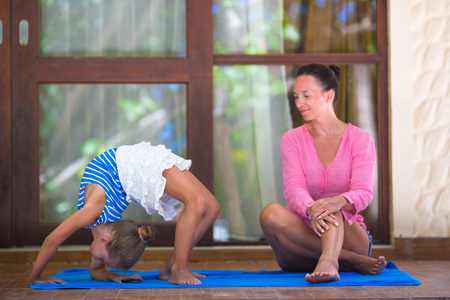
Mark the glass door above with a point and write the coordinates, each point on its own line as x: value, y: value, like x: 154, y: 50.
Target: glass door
x: 92, y: 75
x: 258, y: 46
x: 81, y: 76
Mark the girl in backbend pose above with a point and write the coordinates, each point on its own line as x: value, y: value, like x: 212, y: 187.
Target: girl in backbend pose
x: 148, y: 175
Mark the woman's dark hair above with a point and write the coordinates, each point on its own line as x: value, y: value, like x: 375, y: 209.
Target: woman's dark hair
x: 327, y: 77
x: 127, y: 242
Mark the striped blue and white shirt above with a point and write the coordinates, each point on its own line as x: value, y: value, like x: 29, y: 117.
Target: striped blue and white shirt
x: 102, y: 170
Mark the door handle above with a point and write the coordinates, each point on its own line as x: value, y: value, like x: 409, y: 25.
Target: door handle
x: 23, y: 32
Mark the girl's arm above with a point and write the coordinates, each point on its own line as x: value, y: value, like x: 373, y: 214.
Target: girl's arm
x: 97, y: 271
x: 80, y: 219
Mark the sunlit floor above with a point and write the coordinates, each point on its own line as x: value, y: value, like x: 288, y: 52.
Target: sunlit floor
x: 434, y: 275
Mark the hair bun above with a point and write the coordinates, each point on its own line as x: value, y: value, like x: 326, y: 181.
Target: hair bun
x: 147, y: 232
x: 337, y: 72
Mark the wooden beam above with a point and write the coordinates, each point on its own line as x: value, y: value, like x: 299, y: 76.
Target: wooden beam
x: 112, y: 70
x: 297, y: 59
x: 403, y: 249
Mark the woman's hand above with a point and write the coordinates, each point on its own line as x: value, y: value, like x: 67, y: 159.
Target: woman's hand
x: 321, y: 211
x: 326, y: 206
x: 48, y: 280
x: 126, y: 278
x: 320, y: 225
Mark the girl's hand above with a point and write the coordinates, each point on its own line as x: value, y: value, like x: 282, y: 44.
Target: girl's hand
x: 48, y: 280
x: 97, y: 271
x: 126, y: 278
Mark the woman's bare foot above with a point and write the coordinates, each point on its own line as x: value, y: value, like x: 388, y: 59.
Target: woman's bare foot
x: 379, y: 265
x: 326, y: 270
x: 364, y: 265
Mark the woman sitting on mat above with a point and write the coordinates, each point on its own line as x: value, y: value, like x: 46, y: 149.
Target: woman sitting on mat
x: 148, y: 175
x: 328, y: 169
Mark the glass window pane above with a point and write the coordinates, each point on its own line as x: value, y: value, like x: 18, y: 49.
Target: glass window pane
x: 357, y: 104
x: 252, y: 110
x: 112, y: 28
x: 80, y: 121
x: 251, y: 113
x: 294, y: 26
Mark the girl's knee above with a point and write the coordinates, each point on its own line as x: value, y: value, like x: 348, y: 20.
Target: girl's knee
x: 216, y: 208
x: 197, y: 202
x: 213, y: 207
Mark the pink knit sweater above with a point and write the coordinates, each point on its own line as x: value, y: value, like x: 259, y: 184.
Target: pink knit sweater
x: 350, y: 174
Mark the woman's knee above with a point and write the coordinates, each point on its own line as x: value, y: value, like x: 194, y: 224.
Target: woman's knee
x: 339, y: 217
x: 356, y: 238
x: 271, y: 214
x: 338, y: 214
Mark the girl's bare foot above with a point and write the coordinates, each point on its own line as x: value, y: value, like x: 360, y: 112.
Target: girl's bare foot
x: 196, y: 275
x: 183, y: 277
x: 326, y: 270
x: 165, y: 275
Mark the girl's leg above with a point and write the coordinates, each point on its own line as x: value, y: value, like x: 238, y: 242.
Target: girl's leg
x: 201, y: 209
x: 212, y: 209
x: 298, y: 248
x: 211, y: 212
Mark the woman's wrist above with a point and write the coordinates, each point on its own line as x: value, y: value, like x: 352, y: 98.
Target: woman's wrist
x: 345, y: 203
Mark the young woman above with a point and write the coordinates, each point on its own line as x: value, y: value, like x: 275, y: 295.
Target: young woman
x: 148, y: 175
x: 328, y: 169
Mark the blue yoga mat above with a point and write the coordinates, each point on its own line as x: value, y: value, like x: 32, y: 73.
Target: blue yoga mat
x: 79, y: 279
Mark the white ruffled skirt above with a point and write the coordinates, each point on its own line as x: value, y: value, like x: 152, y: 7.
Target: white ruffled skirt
x: 140, y: 170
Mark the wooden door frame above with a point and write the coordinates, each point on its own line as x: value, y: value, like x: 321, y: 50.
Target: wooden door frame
x: 5, y: 126
x: 195, y: 71
x: 384, y: 145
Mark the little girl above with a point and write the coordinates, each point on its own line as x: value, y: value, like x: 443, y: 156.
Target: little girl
x: 144, y: 174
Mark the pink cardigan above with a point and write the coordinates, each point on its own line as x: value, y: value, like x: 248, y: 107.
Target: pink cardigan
x: 350, y: 174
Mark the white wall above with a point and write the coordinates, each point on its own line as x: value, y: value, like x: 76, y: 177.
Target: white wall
x: 419, y: 48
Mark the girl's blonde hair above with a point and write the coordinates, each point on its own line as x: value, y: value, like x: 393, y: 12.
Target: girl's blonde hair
x: 127, y: 242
